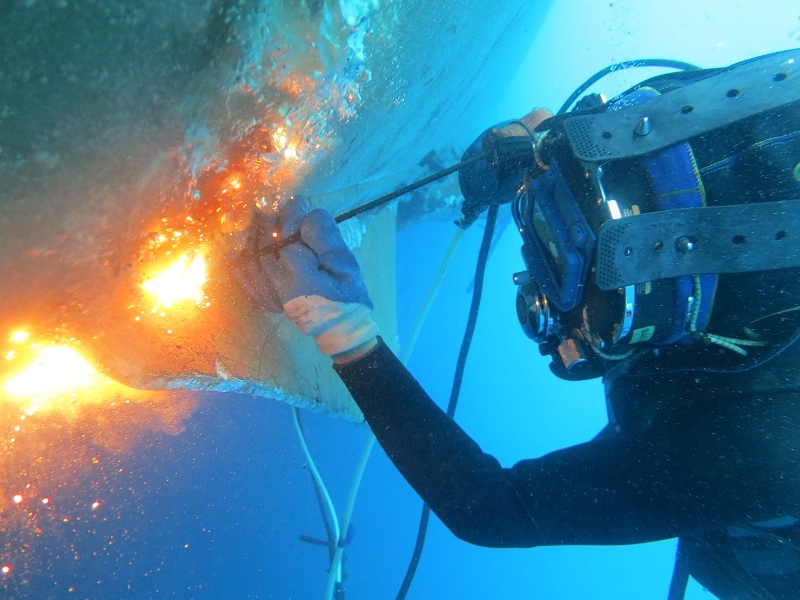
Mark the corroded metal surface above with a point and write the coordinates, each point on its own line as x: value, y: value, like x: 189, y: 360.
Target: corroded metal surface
x: 133, y: 134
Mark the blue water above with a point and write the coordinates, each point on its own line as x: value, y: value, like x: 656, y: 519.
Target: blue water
x: 217, y: 511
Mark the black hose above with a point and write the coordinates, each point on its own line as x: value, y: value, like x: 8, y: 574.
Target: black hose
x: 417, y: 554
x: 680, y: 577
x: 621, y: 66
x: 472, y: 319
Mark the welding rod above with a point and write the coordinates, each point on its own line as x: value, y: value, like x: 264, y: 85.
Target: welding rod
x: 295, y: 237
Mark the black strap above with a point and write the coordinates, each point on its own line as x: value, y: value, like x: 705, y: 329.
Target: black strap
x: 745, y: 90
x: 693, y: 241
x: 680, y: 577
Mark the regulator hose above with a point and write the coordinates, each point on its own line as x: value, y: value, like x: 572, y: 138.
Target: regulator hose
x: 665, y: 63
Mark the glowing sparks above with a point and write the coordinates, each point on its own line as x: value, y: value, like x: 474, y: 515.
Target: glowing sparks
x: 95, y: 505
x: 19, y: 336
x: 55, y: 369
x: 280, y: 139
x: 57, y: 378
x: 6, y: 569
x: 180, y: 282
x: 17, y: 499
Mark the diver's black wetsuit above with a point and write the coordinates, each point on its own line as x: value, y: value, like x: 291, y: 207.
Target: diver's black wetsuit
x: 697, y: 460
x: 704, y: 460
x: 689, y: 452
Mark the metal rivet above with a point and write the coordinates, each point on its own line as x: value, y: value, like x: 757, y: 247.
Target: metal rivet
x: 643, y: 127
x: 684, y: 244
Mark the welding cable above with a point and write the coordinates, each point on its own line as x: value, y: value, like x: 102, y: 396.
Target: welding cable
x: 334, y: 589
x: 330, y: 517
x: 405, y: 355
x: 472, y: 319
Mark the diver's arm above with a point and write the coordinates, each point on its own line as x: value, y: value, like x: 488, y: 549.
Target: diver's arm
x: 478, y: 500
x: 441, y: 462
x: 614, y: 489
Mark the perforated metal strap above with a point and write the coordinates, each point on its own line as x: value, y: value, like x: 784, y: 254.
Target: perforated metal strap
x: 694, y: 241
x: 735, y: 94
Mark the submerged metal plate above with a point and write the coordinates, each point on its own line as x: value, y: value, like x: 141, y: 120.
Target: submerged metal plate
x: 137, y: 138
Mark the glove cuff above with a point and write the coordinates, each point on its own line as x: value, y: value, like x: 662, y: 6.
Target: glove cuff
x: 335, y: 326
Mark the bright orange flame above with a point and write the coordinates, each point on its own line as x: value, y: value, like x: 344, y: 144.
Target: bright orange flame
x: 55, y: 369
x: 55, y: 377
x: 180, y: 282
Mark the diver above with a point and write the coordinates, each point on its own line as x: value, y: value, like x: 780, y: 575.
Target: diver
x: 659, y: 233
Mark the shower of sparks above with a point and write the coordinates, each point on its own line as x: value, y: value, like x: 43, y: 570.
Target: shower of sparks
x: 182, y: 281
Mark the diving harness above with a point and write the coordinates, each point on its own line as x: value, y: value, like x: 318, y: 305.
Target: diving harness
x: 621, y: 251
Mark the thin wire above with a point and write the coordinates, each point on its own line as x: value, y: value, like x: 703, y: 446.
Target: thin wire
x: 429, y: 299
x: 335, y: 573
x: 338, y: 555
x: 333, y: 588
x: 480, y: 271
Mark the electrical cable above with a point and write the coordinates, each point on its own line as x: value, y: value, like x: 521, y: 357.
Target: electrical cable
x: 331, y: 511
x: 458, y: 377
x: 408, y: 348
x: 337, y: 532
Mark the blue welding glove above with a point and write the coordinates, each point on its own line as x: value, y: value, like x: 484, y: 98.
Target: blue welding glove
x: 315, y: 282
